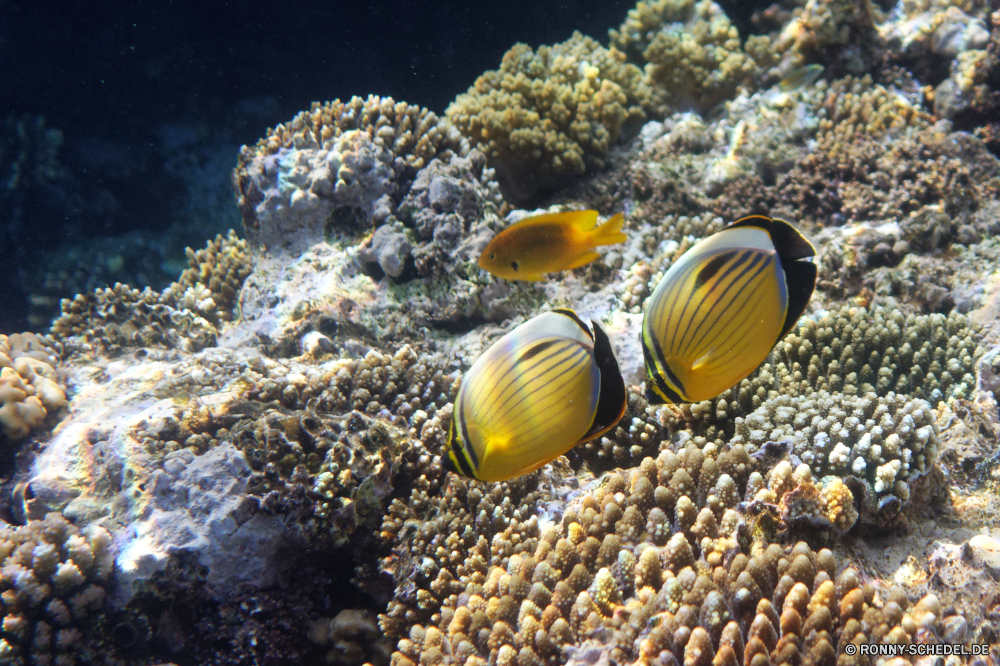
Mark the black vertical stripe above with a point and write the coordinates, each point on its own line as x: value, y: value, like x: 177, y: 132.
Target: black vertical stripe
x: 467, y: 446
x: 655, y: 376
x: 457, y: 453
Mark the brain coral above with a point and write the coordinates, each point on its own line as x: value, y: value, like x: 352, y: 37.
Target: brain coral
x: 549, y: 115
x: 334, y: 163
x: 692, y: 52
x: 29, y: 384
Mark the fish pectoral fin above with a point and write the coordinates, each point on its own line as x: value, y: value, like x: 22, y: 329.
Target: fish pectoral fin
x: 497, y: 444
x: 582, y: 260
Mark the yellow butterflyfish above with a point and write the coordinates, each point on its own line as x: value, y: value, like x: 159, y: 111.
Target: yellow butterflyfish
x: 547, y: 243
x: 546, y: 386
x: 718, y: 311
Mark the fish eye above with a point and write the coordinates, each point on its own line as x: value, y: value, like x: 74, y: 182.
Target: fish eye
x: 493, y: 255
x: 515, y: 265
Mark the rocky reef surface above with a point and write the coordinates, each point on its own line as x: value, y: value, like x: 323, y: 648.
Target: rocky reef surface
x: 246, y: 467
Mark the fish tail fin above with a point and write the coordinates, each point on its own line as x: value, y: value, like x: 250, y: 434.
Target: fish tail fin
x: 610, y: 232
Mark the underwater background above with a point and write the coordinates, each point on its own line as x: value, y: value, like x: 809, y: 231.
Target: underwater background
x: 239, y: 292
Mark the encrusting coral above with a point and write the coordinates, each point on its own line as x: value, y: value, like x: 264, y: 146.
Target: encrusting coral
x: 30, y: 389
x: 52, y: 577
x: 549, y: 115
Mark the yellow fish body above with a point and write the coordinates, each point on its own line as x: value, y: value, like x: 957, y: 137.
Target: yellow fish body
x: 547, y: 243
x: 718, y: 311
x: 548, y: 385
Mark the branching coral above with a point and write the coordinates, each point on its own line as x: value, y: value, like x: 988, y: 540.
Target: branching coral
x: 692, y: 52
x: 185, y: 315
x: 825, y: 24
x: 52, y: 577
x: 618, y: 579
x: 547, y: 116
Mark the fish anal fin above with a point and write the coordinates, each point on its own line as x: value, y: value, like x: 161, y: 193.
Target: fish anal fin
x: 582, y: 260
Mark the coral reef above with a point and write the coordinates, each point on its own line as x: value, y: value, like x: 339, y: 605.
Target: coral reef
x: 333, y: 167
x: 547, y: 116
x: 846, y: 28
x: 692, y: 53
x: 183, y: 316
x: 52, y: 576
x: 617, y: 579
x: 30, y: 388
x: 847, y: 395
x: 262, y: 439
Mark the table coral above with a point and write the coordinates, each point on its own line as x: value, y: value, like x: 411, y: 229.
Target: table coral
x: 547, y: 116
x: 30, y: 388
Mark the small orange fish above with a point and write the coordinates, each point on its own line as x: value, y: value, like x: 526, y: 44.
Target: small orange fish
x: 548, y: 243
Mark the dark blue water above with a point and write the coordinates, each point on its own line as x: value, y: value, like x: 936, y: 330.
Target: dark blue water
x: 127, y: 116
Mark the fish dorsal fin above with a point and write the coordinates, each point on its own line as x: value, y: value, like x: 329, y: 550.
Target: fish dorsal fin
x: 795, y: 252
x: 566, y: 312
x: 788, y: 241
x: 580, y: 220
x: 612, y: 399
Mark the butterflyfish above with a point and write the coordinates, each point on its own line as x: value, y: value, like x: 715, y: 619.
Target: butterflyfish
x: 547, y: 243
x: 546, y: 386
x: 719, y: 309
